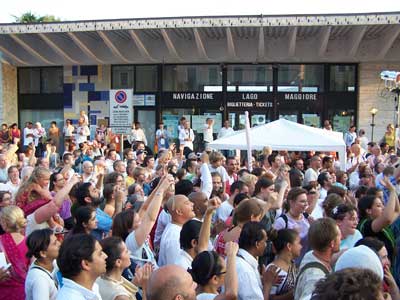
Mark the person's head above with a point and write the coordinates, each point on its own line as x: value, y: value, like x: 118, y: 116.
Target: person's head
x: 186, y: 124
x: 180, y: 208
x: 286, y: 241
x: 297, y: 200
x: 119, y: 166
x: 136, y: 189
x: 189, y: 235
x: 327, y: 162
x: 346, y: 218
x: 217, y: 182
x: 124, y: 223
x: 246, y: 211
x: 216, y: 159
x: 137, y: 125
x: 275, y: 160
x: 253, y: 238
x: 87, y: 167
x: 370, y: 206
x: 325, y: 180
x: 183, y: 187
x: 299, y: 164
x: 379, y: 247
x: 88, y: 194
x: 85, y: 219
x: 342, y: 177
x: 42, y: 244
x: 250, y: 180
x: 330, y: 202
x: 350, y: 283
x: 315, y: 162
x: 324, y: 235
x: 232, y: 165
x: 390, y: 128
x: 118, y: 255
x: 171, y: 282
x: 57, y: 181
x: 200, y: 202
x: 264, y: 187
x: 12, y: 219
x: 13, y: 173
x: 5, y: 198
x: 208, y: 268
x: 139, y: 174
x: 81, y: 255
x: 3, y: 161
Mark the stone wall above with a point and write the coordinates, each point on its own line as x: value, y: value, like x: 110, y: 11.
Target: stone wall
x: 372, y: 93
x: 8, y: 94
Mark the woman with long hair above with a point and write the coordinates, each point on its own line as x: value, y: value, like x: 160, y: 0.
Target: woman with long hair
x: 12, y: 244
x: 287, y: 245
x: 376, y: 218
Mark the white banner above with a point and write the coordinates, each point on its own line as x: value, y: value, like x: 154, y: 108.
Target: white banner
x: 121, y: 111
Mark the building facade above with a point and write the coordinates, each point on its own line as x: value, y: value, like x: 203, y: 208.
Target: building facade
x: 302, y: 68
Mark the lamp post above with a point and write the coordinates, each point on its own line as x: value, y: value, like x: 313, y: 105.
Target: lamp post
x: 373, y: 112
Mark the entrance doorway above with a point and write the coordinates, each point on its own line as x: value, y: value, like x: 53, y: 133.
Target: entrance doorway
x: 147, y: 119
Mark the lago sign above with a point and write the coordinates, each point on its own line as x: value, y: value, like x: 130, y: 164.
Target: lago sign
x: 249, y: 100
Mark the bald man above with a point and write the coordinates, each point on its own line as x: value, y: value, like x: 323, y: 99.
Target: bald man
x: 181, y: 211
x: 200, y: 201
x: 171, y: 282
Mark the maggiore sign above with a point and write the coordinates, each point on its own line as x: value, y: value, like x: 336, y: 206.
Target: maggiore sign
x: 301, y: 96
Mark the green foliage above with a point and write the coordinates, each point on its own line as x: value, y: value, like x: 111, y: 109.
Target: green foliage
x: 30, y: 17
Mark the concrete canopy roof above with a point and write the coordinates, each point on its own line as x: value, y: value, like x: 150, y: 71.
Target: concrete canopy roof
x: 248, y: 39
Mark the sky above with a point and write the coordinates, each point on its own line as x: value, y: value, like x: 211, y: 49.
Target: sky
x: 70, y: 10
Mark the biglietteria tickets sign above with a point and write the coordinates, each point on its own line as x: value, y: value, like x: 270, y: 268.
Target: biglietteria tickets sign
x: 121, y: 111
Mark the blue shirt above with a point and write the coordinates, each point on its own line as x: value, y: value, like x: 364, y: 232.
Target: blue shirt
x: 104, y: 223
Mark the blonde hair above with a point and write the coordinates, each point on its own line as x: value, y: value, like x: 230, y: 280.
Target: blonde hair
x: 13, y: 217
x: 249, y: 179
x: 216, y: 156
x: 36, y: 175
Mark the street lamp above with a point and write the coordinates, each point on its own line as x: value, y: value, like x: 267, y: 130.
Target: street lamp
x: 373, y: 112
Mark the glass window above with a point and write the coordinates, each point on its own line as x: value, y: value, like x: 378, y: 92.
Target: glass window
x: 122, y: 77
x: 146, y: 79
x: 207, y: 78
x: 342, y: 78
x: 301, y: 78
x: 29, y: 80
x: 52, y: 80
x: 249, y: 78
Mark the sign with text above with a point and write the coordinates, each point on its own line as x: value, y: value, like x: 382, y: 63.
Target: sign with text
x: 298, y: 96
x: 249, y: 100
x: 189, y: 99
x: 121, y: 111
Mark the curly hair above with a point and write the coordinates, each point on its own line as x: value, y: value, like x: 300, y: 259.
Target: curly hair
x: 350, y: 283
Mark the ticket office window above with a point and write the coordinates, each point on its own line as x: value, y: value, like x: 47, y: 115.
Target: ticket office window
x: 194, y: 78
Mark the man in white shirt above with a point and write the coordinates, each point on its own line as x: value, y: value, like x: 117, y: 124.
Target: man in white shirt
x: 28, y: 134
x: 186, y: 136
x: 82, y: 132
x: 181, y: 211
x: 252, y: 244
x: 81, y: 262
x: 137, y: 135
x: 226, y: 130
x: 311, y: 175
x: 208, y: 132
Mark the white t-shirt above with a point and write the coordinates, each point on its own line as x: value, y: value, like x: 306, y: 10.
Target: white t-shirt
x: 40, y: 284
x: 184, y: 260
x: 221, y: 171
x: 310, y: 175
x: 169, y: 245
x: 140, y: 254
x: 28, y: 140
x: 224, y: 211
x: 208, y: 133
x: 31, y: 224
x: 163, y: 220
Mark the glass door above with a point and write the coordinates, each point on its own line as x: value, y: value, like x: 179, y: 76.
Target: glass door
x: 147, y: 119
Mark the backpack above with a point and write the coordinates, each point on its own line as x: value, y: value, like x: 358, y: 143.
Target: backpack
x: 310, y: 265
x: 285, y: 218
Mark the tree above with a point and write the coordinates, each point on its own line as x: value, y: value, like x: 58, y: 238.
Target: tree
x: 30, y: 17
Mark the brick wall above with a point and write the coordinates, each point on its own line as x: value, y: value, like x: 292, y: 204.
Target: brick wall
x: 9, y: 96
x: 373, y: 94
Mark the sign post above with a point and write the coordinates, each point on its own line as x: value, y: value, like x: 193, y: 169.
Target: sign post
x: 121, y: 112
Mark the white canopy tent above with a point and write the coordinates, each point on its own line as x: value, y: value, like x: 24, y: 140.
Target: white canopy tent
x: 286, y: 135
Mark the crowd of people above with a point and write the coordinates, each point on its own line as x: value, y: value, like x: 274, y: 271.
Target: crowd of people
x: 115, y: 220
